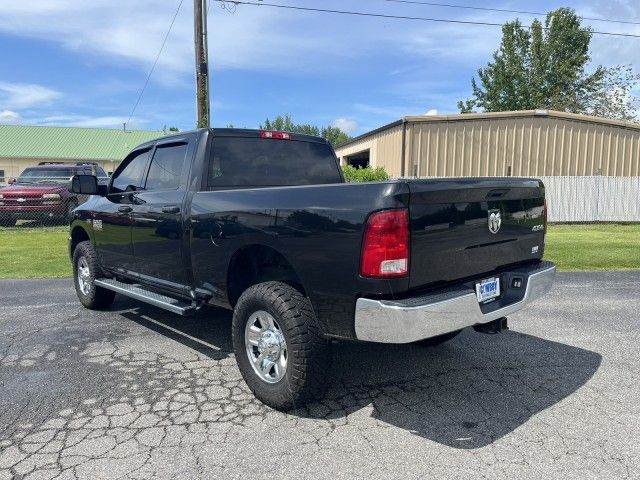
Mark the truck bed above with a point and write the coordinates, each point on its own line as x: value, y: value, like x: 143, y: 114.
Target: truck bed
x: 319, y: 230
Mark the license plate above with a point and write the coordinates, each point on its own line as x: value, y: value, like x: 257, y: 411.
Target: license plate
x: 488, y: 289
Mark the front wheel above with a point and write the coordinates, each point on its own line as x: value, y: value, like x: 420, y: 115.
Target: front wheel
x: 85, y: 270
x: 281, y: 351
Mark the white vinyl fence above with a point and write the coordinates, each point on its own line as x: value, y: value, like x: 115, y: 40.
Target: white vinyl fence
x: 593, y: 199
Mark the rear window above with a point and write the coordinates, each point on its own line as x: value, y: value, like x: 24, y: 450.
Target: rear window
x: 257, y: 162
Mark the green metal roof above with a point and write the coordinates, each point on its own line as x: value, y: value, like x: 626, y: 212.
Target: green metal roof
x: 23, y: 141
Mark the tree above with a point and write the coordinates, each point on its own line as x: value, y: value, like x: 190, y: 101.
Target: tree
x: 546, y: 67
x: 615, y: 100
x: 334, y: 135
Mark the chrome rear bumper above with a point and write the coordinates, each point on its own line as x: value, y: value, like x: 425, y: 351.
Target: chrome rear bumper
x: 413, y: 319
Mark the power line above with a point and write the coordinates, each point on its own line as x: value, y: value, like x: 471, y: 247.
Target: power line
x: 398, y: 17
x: 505, y: 10
x: 153, y: 67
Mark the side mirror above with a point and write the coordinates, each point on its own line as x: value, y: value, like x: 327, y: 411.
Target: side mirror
x: 11, y: 181
x: 84, y: 184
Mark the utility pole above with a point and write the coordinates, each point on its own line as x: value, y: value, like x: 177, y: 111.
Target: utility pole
x: 202, y: 63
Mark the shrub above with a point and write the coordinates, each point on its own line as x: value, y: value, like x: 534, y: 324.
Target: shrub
x: 368, y: 174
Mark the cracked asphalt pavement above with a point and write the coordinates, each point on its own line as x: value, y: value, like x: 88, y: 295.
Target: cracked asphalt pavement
x: 134, y: 392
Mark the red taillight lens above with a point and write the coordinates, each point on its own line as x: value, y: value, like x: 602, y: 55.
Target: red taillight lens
x: 276, y: 135
x: 385, y: 249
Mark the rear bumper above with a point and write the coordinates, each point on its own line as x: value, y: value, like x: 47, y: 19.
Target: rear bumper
x: 418, y: 318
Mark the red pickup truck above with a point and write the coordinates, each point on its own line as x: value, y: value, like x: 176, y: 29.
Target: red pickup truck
x: 41, y: 193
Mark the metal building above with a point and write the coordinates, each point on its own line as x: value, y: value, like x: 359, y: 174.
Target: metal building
x: 524, y: 143
x: 22, y: 146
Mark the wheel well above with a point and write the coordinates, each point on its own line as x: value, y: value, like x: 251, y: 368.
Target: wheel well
x: 256, y: 264
x: 78, y: 234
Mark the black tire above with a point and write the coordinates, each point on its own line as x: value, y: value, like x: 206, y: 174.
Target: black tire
x: 432, y: 342
x: 308, y: 351
x: 93, y: 297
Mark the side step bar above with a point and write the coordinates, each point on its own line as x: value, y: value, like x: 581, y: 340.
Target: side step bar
x: 152, y: 298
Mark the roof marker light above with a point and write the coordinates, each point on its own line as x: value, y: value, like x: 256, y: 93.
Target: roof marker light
x: 275, y: 135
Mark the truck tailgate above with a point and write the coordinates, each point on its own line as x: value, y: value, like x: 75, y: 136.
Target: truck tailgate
x: 455, y: 236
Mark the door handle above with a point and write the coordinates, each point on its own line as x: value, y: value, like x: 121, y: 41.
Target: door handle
x: 171, y: 209
x: 124, y: 208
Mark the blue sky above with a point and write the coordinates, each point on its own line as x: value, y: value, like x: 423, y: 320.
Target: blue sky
x: 80, y: 63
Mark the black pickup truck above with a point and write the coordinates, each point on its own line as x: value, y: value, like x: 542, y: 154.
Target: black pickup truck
x: 263, y: 223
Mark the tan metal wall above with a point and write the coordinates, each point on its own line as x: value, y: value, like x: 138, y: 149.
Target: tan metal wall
x: 385, y: 150
x: 530, y: 146
x: 531, y: 143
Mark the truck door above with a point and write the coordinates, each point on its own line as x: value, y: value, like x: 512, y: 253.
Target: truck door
x: 156, y: 219
x: 112, y: 220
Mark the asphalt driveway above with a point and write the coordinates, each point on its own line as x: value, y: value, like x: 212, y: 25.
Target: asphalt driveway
x: 139, y: 393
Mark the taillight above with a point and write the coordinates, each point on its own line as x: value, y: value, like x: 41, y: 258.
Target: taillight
x: 385, y: 248
x: 275, y: 135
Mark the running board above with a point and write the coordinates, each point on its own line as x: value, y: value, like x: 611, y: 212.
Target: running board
x: 152, y: 298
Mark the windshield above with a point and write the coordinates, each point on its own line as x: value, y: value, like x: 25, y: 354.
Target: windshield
x: 45, y: 175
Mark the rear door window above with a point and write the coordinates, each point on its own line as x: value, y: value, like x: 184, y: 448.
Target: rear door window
x: 166, y: 167
x: 244, y: 162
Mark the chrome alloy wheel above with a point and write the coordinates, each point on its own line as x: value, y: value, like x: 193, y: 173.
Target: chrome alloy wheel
x: 84, y: 276
x: 266, y: 346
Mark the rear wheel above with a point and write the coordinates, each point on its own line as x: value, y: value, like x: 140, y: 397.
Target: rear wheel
x: 85, y: 270
x: 432, y: 342
x: 281, y: 351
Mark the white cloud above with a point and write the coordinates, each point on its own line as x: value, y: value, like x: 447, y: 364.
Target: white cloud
x: 8, y: 116
x: 394, y: 112
x: 609, y: 50
x: 107, y: 121
x: 88, y: 121
x: 251, y: 38
x: 130, y: 31
x: 255, y: 38
x: 431, y: 112
x: 22, y: 95
x: 73, y: 120
x: 345, y: 124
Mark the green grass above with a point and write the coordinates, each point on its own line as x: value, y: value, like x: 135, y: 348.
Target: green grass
x: 34, y: 252
x: 42, y: 252
x: 594, y: 247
